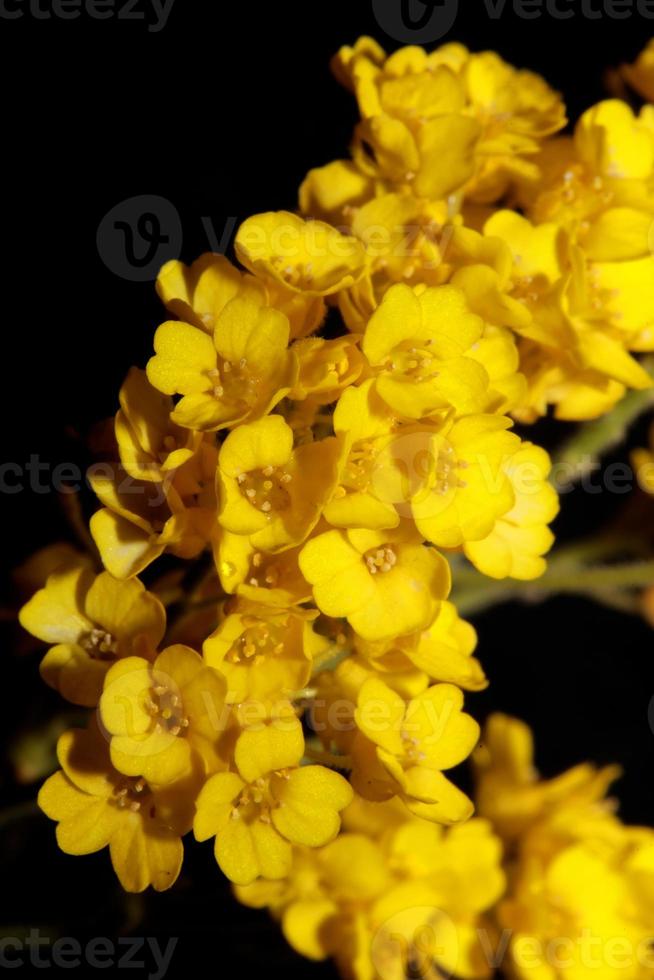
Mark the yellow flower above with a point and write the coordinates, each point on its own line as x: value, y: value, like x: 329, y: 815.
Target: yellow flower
x: 142, y: 519
x: 264, y: 652
x: 301, y: 256
x: 442, y: 651
x: 33, y: 573
x: 332, y: 713
x: 599, y: 180
x: 326, y: 193
x: 571, y: 917
x: 364, y: 497
x: 580, y: 895
x: 198, y: 293
x: 94, y: 621
x: 407, y: 239
x: 326, y: 367
x: 271, y: 579
x: 465, y: 488
x: 385, y: 583
x: 165, y: 715
x: 509, y: 791
x: 238, y: 373
x: 434, y: 914
x: 270, y: 491
x: 416, y: 740
x: 517, y: 110
x: 393, y: 894
x: 150, y: 445
x: 418, y: 346
x: 96, y: 806
x: 520, y: 537
x: 613, y: 142
x: 443, y: 122
x: 269, y: 803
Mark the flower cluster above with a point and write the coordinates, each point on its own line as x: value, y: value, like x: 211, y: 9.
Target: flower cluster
x: 580, y: 896
x: 457, y: 176
x: 545, y: 883
x: 325, y: 431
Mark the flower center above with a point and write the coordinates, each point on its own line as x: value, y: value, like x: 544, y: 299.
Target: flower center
x: 267, y: 488
x: 414, y: 363
x: 133, y: 794
x: 167, y: 710
x: 576, y: 195
x: 360, y: 463
x: 233, y: 382
x: 258, y: 641
x: 380, y: 559
x: 294, y: 275
x: 99, y: 644
x: 256, y: 800
x: 265, y: 571
x: 445, y: 476
x: 411, y: 747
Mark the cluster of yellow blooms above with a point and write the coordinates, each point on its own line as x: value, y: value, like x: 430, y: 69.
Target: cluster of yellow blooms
x: 485, y: 269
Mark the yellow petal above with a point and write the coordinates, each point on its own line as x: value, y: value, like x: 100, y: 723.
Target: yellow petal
x: 56, y: 613
x: 260, y: 751
x: 140, y: 858
x: 310, y: 801
x: 215, y: 803
x: 183, y: 357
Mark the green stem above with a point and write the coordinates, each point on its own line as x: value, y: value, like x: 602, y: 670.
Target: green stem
x: 581, y: 452
x: 474, y: 592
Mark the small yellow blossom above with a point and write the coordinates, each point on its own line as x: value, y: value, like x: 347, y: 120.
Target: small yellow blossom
x: 417, y: 346
x: 509, y: 791
x: 96, y: 806
x: 270, y: 579
x: 240, y: 372
x: 263, y: 651
x: 326, y: 368
x: 94, y: 621
x: 385, y: 583
x: 165, y: 715
x: 270, y: 491
x: 580, y: 897
x: 302, y: 256
x: 150, y: 445
x: 269, y: 803
x: 141, y: 519
x: 466, y: 488
x: 520, y: 537
x: 198, y: 293
x: 442, y: 651
x: 416, y: 741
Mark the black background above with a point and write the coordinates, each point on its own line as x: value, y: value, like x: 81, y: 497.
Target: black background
x: 222, y: 113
